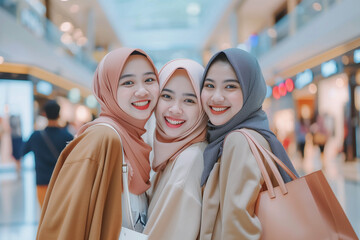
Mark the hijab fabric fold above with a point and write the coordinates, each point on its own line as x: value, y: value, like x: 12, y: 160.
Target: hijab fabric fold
x: 105, y: 85
x: 167, y: 148
x: 250, y: 116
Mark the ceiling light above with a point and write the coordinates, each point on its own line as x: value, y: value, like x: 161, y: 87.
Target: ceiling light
x: 66, y: 38
x: 81, y: 41
x: 272, y: 33
x: 66, y: 27
x: 74, y: 8
x: 77, y: 33
x: 312, y: 88
x: 193, y: 9
x: 317, y: 6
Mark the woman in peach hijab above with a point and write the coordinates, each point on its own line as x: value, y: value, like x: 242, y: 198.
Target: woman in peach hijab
x: 84, y: 198
x: 179, y: 142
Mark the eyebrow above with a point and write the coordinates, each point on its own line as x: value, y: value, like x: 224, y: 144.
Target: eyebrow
x: 132, y: 75
x: 232, y: 80
x: 168, y: 90
x: 185, y: 94
x: 189, y: 95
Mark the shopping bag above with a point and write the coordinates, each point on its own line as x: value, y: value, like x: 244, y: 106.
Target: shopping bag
x: 305, y: 208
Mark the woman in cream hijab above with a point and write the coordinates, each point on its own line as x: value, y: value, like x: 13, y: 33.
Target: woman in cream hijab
x: 179, y: 142
x: 84, y: 198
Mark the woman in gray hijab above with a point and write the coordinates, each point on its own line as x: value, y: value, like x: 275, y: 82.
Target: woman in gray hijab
x: 233, y: 91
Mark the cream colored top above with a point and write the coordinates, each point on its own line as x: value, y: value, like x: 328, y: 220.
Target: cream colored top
x: 175, y: 197
x: 231, y: 192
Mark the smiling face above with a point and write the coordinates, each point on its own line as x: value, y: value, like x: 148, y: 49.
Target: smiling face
x: 138, y: 88
x: 178, y: 108
x: 221, y: 95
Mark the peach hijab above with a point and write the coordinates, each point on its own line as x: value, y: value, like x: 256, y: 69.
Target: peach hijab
x: 105, y: 85
x: 166, y: 148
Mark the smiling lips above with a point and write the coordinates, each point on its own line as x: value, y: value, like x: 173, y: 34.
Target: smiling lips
x: 142, y: 104
x: 174, y: 123
x: 217, y: 110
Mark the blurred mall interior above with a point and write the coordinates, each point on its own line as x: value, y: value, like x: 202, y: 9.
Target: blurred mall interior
x: 309, y: 51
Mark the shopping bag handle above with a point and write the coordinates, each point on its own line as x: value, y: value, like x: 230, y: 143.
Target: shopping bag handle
x: 269, y: 158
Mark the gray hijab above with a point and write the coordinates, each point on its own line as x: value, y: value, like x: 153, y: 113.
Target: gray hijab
x: 250, y: 116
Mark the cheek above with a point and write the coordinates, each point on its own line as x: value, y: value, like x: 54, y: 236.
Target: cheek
x: 154, y: 90
x: 236, y: 100
x: 160, y: 109
x: 204, y: 97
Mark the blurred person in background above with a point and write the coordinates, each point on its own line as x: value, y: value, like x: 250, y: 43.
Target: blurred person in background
x: 320, y: 135
x: 46, y: 145
x: 86, y: 197
x: 302, y: 127
x: 16, y: 140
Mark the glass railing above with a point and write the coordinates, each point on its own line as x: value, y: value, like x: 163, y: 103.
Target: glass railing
x: 302, y: 15
x: 33, y: 18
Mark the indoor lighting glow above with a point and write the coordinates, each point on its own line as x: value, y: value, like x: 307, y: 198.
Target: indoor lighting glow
x: 357, y: 56
x: 272, y: 33
x: 329, y: 68
x: 304, y: 78
x: 317, y: 6
x: 276, y: 93
x: 66, y: 38
x: 289, y: 83
x: 2, y: 60
x: 312, y: 88
x: 81, y: 41
x: 90, y: 101
x: 282, y: 89
x: 193, y: 9
x: 268, y: 91
x: 44, y: 88
x: 74, y: 8
x: 74, y: 95
x: 66, y: 27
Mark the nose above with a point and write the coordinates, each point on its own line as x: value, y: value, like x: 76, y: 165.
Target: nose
x: 217, y: 97
x: 141, y: 91
x: 175, y: 109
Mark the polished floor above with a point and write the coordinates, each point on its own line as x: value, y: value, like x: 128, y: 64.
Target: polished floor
x: 19, y: 210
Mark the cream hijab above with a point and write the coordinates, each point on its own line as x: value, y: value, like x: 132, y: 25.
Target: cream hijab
x: 166, y: 148
x: 105, y: 85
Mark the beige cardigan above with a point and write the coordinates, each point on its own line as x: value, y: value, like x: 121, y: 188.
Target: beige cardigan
x: 83, y: 200
x: 175, y: 197
x: 231, y: 191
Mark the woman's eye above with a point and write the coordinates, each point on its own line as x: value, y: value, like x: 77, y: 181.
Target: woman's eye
x: 189, y: 101
x: 165, y: 96
x: 150, y: 80
x: 209, y: 85
x: 127, y: 83
x: 230, y: 86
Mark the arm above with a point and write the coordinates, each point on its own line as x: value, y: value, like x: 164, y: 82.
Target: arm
x: 83, y: 200
x: 27, y: 145
x: 240, y: 183
x: 176, y: 205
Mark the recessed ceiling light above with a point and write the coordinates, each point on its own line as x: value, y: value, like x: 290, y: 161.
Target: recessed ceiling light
x: 193, y: 9
x: 74, y: 8
x: 66, y: 27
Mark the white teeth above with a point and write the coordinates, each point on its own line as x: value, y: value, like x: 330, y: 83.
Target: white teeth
x: 174, y: 122
x: 218, y: 109
x: 140, y: 104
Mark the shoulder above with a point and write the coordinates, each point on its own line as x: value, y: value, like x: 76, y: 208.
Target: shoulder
x: 237, y: 139
x: 99, y: 136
